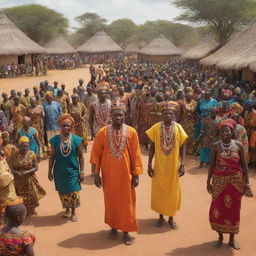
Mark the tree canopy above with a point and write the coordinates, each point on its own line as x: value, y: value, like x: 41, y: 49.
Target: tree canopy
x: 38, y: 22
x: 224, y: 16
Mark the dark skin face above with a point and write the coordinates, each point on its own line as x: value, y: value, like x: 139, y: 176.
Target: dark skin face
x: 5, y: 138
x: 49, y: 99
x: 226, y: 134
x: 189, y: 97
x: 5, y: 96
x: 13, y: 93
x: 121, y: 90
x: 207, y: 95
x: 168, y: 117
x: 55, y: 85
x: 65, y: 128
x: 89, y: 91
x: 24, y: 147
x: 26, y: 124
x: 60, y: 94
x: 33, y: 102
x: 118, y: 117
x: 63, y: 87
x: 102, y: 95
x: 16, y: 101
x: 75, y: 100
x: 27, y: 91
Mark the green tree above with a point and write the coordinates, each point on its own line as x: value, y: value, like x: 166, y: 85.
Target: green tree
x: 38, y: 22
x: 90, y: 23
x: 224, y: 16
x: 122, y: 30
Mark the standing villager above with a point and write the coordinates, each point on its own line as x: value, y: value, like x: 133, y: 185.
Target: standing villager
x: 116, y: 155
x: 6, y: 107
x: 100, y: 112
x: 66, y: 165
x: 24, y: 164
x: 167, y: 144
x: 25, y: 99
x: 8, y: 147
x: 227, y: 181
x: 80, y: 114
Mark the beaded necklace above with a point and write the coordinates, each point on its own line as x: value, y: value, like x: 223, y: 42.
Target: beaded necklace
x: 102, y: 113
x: 117, y: 140
x: 65, y: 145
x: 167, y: 137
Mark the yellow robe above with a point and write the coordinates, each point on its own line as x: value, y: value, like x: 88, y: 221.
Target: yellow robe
x: 165, y: 190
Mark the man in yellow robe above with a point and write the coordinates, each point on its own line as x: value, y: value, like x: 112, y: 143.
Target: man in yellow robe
x: 116, y: 154
x: 167, y: 144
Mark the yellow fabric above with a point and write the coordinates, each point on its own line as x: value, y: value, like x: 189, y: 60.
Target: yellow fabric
x: 166, y: 190
x: 23, y: 139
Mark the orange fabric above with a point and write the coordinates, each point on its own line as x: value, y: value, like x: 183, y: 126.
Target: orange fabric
x: 119, y: 196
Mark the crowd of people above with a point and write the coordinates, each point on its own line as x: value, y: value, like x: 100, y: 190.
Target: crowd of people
x: 169, y: 109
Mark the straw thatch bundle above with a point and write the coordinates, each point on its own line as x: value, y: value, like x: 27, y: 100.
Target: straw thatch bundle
x: 59, y: 45
x: 13, y: 41
x: 131, y: 48
x: 99, y: 43
x: 202, y: 49
x: 160, y: 46
x: 238, y: 53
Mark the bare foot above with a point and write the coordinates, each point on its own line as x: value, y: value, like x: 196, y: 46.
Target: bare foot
x: 73, y: 218
x: 218, y: 244
x: 160, y: 222
x: 173, y: 224
x: 128, y: 240
x: 113, y: 234
x: 233, y: 244
x: 67, y: 213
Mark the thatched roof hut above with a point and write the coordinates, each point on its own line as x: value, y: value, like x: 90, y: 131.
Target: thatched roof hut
x: 159, y: 49
x: 100, y: 43
x: 59, y: 46
x: 238, y: 53
x: 207, y: 45
x: 131, y: 48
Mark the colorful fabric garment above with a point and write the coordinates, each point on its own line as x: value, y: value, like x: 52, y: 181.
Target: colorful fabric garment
x: 63, y: 102
x: 52, y: 112
x: 166, y: 190
x: 66, y: 169
x: 15, y: 244
x: 205, y: 107
x: 3, y: 122
x: 33, y: 146
x: 117, y: 172
x: 17, y: 113
x: 27, y: 186
x: 6, y: 108
x: 188, y: 123
x: 9, y: 149
x: 25, y: 101
x: 70, y: 200
x: 227, y: 185
x: 241, y: 135
x: 80, y: 115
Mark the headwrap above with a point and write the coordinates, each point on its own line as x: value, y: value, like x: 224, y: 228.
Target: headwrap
x: 118, y: 105
x: 49, y: 93
x: 35, y: 87
x: 67, y: 118
x: 236, y: 108
x: 23, y: 139
x: 170, y: 105
x: 231, y: 123
x: 26, y: 118
x: 249, y: 102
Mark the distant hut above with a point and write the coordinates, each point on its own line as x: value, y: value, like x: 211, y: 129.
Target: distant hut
x: 15, y: 46
x: 131, y: 49
x: 159, y: 50
x: 100, y: 43
x: 59, y: 46
x: 238, y: 54
x: 205, y: 47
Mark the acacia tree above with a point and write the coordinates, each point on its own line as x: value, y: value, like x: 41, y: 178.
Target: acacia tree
x: 38, y: 22
x: 224, y: 16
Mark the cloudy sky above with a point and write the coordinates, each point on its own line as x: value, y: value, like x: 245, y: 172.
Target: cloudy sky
x: 137, y: 10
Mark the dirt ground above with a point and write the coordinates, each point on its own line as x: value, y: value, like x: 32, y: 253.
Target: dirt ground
x: 56, y: 236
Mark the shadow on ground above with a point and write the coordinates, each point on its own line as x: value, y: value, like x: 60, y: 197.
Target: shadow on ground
x: 46, y: 221
x: 205, y: 249
x: 147, y: 227
x: 92, y: 241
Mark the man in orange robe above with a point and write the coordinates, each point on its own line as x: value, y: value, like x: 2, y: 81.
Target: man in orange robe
x: 116, y: 154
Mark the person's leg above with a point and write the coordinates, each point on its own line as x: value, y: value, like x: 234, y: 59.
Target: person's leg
x: 172, y: 223
x: 67, y: 213
x: 73, y: 214
x: 128, y: 240
x: 113, y: 233
x: 220, y: 240
x: 160, y: 222
x: 232, y: 242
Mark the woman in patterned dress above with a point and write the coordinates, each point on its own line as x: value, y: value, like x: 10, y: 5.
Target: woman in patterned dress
x: 80, y: 114
x: 24, y: 164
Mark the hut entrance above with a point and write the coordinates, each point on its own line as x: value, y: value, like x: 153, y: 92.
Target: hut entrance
x: 21, y: 59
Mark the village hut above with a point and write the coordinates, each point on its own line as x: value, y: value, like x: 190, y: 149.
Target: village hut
x: 15, y: 46
x: 206, y: 46
x: 238, y: 54
x: 59, y: 46
x: 131, y: 48
x: 100, y: 43
x: 159, y: 50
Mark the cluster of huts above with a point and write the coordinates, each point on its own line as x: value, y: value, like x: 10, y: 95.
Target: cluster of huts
x: 237, y: 55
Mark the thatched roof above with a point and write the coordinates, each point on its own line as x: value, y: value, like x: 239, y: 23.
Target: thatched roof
x: 59, y: 45
x: 99, y: 43
x: 15, y: 42
x: 160, y: 46
x: 238, y: 53
x: 131, y: 48
x: 202, y: 49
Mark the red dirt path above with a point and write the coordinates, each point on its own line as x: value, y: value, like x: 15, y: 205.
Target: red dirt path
x: 56, y: 236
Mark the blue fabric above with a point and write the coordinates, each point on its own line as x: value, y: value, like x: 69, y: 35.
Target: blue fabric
x: 66, y: 169
x: 205, y: 155
x: 205, y: 107
x: 32, y: 142
x: 55, y: 90
x: 52, y: 113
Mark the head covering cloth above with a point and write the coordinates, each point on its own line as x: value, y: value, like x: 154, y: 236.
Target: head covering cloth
x: 23, y: 139
x: 49, y: 93
x: 231, y: 123
x: 236, y: 108
x: 118, y: 106
x: 66, y: 118
x: 170, y: 105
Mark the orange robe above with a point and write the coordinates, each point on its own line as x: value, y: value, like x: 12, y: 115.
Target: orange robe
x: 117, y: 174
